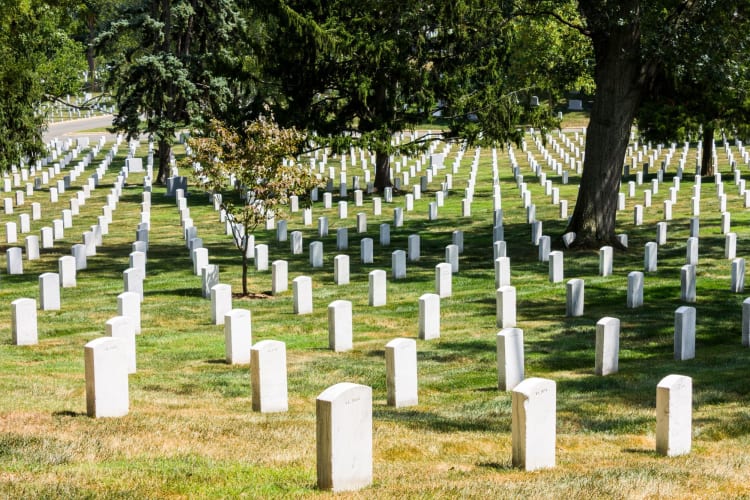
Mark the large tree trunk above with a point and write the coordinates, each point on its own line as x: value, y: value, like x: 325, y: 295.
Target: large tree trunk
x: 165, y: 152
x: 382, y: 170
x: 707, y: 162
x: 619, y: 82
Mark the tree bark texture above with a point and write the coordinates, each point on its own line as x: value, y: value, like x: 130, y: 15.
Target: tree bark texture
x: 165, y: 152
x: 382, y: 170
x: 619, y: 85
x: 707, y: 163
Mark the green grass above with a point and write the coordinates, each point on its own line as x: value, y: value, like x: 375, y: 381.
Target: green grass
x: 191, y: 431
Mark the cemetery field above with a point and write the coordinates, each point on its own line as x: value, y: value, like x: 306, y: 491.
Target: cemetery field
x: 190, y: 430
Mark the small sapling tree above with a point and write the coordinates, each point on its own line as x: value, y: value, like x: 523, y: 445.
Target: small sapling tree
x: 254, y: 173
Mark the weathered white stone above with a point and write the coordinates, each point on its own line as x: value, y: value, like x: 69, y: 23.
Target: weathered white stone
x: 14, y: 258
x: 138, y: 261
x: 341, y: 269
x: 322, y: 227
x: 650, y: 257
x: 605, y: 261
x: 200, y: 260
x: 684, y: 333
x: 545, y: 243
x: 122, y: 328
x: 129, y: 305
x: 607, y: 346
x: 269, y: 376
x: 414, y: 247
x: 738, y: 276
x: 281, y: 231
x: 443, y: 280
x: 505, y: 307
x: 661, y: 233
x: 401, y: 372
x: 279, y: 276
x: 534, y: 424
x: 366, y: 251
x: 398, y: 264
x: 24, y: 322
x: 133, y: 281
x: 238, y: 336
x: 106, y: 378
x: 687, y: 283
x: 344, y: 437
x: 635, y: 289
x: 674, y: 415
x: 261, y: 257
x: 429, y: 316
x: 47, y: 237
x: 361, y: 222
x: 32, y: 247
x: 556, y: 273
x: 691, y: 257
x: 340, y: 326
x: 11, y: 232
x: 209, y: 278
x: 451, y: 257
x: 730, y: 246
x: 385, y: 235
x: 302, y: 295
x: 574, y: 297
x: 295, y: 241
x: 342, y: 238
x: 49, y: 291
x: 510, y: 358
x: 377, y: 288
x: 221, y: 302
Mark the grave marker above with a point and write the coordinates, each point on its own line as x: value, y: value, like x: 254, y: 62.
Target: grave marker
x: 269, y: 376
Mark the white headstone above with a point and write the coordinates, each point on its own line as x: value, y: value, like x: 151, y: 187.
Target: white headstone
x: 398, y: 264
x: 574, y: 297
x: 377, y: 288
x: 607, y: 346
x: 344, y: 437
x: 221, y: 302
x: 279, y: 276
x: 684, y: 333
x: 341, y: 269
x: 510, y: 358
x: 443, y: 280
x: 302, y: 295
x: 401, y: 372
x: 687, y: 283
x: 268, y: 376
x: 340, y: 326
x: 129, y: 305
x: 209, y: 278
x: 49, y: 291
x: 14, y: 257
x: 635, y: 290
x: 106, y: 378
x: 122, y: 328
x: 534, y: 424
x: 23, y: 322
x: 674, y: 415
x: 605, y: 261
x: 429, y: 316
x: 556, y: 267
x: 238, y: 336
x: 451, y: 257
x: 505, y: 311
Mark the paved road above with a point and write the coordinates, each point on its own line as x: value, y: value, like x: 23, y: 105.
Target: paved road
x: 75, y: 127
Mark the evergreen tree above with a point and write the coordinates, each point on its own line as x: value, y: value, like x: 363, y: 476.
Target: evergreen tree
x: 169, y: 65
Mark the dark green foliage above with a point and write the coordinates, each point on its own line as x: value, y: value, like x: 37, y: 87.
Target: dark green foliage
x: 38, y: 61
x: 171, y: 62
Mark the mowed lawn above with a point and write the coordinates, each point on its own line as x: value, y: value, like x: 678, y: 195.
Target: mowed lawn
x: 191, y: 432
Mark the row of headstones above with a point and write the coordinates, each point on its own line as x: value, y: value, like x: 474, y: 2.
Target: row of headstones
x: 23, y: 310
x: 49, y: 234
x: 344, y: 411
